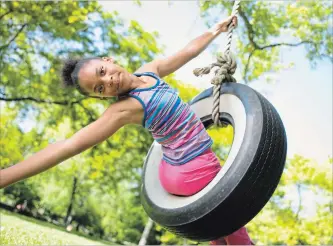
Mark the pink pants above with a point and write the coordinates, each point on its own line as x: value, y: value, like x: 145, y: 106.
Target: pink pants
x: 192, y: 177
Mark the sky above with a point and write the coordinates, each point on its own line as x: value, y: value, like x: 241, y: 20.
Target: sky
x: 301, y: 95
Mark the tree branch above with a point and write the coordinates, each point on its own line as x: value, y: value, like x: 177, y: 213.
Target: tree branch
x: 146, y: 232
x: 251, y: 32
x: 269, y: 47
x: 5, y: 14
x: 39, y: 100
x: 299, y: 200
x: 13, y: 38
x: 247, y: 66
x: 327, y: 57
x: 92, y: 117
x: 249, y: 28
x: 285, y: 44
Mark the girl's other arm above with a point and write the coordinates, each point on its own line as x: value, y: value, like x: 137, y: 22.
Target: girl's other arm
x: 96, y: 132
x: 168, y: 65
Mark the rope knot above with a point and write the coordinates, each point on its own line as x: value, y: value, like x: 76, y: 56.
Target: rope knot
x: 227, y: 67
x: 226, y: 64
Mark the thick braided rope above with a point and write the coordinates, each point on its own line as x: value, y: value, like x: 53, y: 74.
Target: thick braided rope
x: 227, y: 67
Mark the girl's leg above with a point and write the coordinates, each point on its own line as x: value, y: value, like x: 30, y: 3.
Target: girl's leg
x: 220, y: 241
x: 190, y: 178
x: 239, y: 237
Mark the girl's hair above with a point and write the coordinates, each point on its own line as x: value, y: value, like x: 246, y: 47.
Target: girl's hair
x: 71, y: 70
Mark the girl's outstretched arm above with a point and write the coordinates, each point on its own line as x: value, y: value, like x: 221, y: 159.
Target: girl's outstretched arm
x: 168, y: 65
x: 111, y: 120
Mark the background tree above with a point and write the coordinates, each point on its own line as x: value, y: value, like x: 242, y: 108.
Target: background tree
x: 36, y: 37
x: 265, y: 27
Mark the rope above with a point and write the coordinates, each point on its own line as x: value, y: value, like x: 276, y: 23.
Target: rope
x: 227, y: 67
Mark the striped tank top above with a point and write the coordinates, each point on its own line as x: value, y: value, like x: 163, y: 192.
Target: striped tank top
x: 171, y: 122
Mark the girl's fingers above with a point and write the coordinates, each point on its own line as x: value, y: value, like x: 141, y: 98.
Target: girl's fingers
x: 234, y: 21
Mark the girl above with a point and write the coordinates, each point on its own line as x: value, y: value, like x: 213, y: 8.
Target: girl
x: 188, y: 163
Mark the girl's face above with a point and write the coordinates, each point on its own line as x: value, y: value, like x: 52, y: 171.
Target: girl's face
x: 103, y: 78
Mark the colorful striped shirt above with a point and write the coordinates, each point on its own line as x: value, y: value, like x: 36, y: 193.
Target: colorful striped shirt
x: 172, y: 122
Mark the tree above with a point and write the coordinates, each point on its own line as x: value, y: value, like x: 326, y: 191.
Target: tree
x: 265, y: 27
x: 36, y: 37
x: 284, y: 221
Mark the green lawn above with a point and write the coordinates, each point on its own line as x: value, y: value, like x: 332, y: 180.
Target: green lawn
x: 20, y: 230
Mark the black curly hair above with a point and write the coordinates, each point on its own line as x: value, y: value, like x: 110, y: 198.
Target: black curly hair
x: 70, y: 72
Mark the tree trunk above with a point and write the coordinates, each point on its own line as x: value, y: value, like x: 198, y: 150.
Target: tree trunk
x: 146, y: 232
x: 70, y: 207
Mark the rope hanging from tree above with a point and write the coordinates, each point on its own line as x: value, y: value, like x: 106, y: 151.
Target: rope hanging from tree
x: 227, y: 67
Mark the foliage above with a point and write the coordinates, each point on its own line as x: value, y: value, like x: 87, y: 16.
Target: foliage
x: 265, y: 27
x: 36, y: 37
x: 300, y: 221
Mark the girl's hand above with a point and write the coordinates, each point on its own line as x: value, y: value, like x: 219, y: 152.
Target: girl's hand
x: 223, y: 25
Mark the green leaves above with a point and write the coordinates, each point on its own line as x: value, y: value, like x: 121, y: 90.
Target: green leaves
x: 266, y: 27
x: 281, y: 222
x: 36, y: 36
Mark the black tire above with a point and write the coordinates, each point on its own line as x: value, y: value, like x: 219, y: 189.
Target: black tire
x: 246, y: 186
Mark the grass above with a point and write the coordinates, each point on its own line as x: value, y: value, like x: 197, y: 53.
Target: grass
x: 17, y: 229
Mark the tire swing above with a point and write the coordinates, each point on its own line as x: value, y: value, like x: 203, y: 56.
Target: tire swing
x: 250, y: 174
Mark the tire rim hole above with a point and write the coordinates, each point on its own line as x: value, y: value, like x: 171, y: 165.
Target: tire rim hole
x: 221, y: 147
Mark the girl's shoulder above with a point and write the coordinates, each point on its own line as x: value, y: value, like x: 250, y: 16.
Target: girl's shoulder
x: 147, y: 68
x: 128, y: 106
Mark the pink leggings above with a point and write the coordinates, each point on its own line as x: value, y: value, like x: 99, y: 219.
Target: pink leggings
x: 192, y: 177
